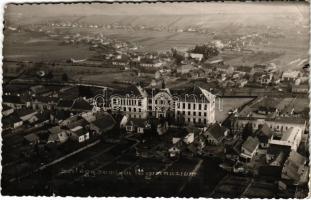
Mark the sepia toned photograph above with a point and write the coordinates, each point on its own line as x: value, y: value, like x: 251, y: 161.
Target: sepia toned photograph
x: 165, y: 99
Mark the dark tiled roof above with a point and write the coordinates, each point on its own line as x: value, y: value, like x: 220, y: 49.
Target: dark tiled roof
x: 65, y: 103
x: 43, y: 116
x: 44, y: 99
x: 297, y: 158
x: 61, y: 115
x: 265, y: 130
x: 292, y: 165
x: 23, y: 112
x: 81, y: 122
x: 13, y: 118
x: 70, y: 93
x: 216, y: 131
x: 131, y: 90
x: 80, y: 131
x: 105, y: 122
x: 138, y: 122
x: 294, y: 120
x: 81, y: 104
x: 190, y: 94
x: 250, y: 144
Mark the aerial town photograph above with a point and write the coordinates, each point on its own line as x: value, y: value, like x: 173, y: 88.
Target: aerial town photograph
x: 166, y: 99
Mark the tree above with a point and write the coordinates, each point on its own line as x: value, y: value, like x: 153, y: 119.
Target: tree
x: 247, y: 131
x: 208, y: 51
x: 305, y: 113
x: 178, y: 58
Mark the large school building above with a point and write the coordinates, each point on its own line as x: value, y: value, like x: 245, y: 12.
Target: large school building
x: 194, y: 105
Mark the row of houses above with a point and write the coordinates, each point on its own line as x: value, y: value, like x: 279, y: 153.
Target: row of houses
x: 82, y: 127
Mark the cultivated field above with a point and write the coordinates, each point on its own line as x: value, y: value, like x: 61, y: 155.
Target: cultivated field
x: 36, y: 47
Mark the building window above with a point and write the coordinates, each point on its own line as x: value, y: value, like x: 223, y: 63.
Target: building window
x: 200, y: 114
x: 124, y: 109
x: 194, y: 106
x: 139, y: 102
x: 130, y: 109
x: 204, y: 121
x: 205, y: 114
x: 205, y: 107
x: 194, y: 113
x: 200, y: 106
x: 134, y: 109
x: 189, y: 113
x: 194, y: 121
x: 189, y: 106
x: 183, y: 112
x: 183, y: 105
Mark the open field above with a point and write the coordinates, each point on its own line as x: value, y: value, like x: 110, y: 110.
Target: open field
x: 36, y: 47
x: 228, y: 104
x: 29, y: 46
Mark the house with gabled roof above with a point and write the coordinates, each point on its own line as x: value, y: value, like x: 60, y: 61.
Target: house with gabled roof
x: 79, y: 134
x: 249, y: 149
x: 295, y: 169
x: 103, y: 123
x: 25, y: 114
x: 81, y: 105
x: 215, y: 134
x: 11, y: 122
x: 57, y: 135
x: 7, y: 110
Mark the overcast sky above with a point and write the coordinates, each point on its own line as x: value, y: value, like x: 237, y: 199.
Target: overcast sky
x: 158, y: 9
